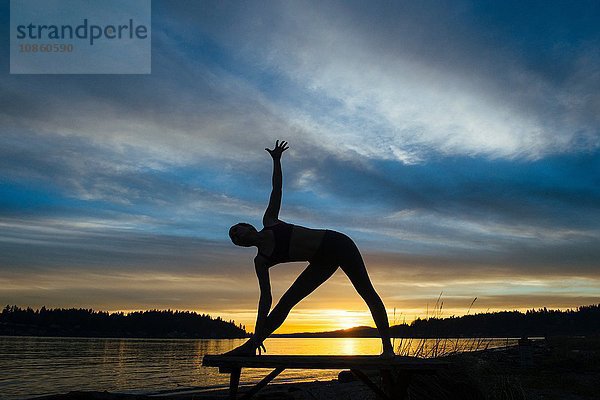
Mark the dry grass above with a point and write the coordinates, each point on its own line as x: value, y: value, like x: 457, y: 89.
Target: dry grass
x: 440, y: 347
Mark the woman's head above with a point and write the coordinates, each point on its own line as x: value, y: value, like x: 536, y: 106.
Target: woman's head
x: 243, y: 234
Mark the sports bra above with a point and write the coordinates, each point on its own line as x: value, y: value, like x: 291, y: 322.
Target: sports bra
x: 282, y: 233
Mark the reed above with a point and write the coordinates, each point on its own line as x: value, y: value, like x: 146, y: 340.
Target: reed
x: 435, y: 346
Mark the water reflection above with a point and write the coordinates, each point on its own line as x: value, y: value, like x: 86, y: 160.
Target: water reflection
x: 32, y: 366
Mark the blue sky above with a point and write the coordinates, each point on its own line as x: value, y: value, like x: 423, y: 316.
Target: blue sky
x: 458, y: 143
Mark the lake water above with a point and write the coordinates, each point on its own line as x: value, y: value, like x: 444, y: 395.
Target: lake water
x: 34, y: 366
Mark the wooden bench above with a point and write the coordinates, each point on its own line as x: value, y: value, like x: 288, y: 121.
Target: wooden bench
x: 395, y: 372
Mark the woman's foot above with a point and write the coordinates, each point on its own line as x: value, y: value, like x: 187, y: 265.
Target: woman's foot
x: 247, y: 349
x: 388, y: 351
x: 387, y: 354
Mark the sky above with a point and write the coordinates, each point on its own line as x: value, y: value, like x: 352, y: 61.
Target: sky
x: 458, y: 144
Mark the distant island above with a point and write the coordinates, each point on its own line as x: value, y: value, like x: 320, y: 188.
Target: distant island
x: 582, y: 321
x: 15, y: 321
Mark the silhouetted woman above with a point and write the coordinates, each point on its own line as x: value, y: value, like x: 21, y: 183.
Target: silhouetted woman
x: 325, y: 250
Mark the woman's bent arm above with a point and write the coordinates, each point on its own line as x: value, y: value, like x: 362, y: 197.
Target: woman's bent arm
x: 264, y: 303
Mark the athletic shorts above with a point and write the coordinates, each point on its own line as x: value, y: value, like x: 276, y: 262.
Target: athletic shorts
x: 335, y: 249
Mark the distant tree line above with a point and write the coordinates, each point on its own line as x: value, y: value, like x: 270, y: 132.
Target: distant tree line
x: 584, y: 320
x: 89, y: 323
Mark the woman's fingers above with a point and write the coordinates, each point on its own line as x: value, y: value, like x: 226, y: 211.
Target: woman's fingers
x: 279, y: 148
x: 261, y: 346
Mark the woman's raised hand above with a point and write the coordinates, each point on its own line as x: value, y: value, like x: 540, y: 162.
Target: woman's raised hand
x: 279, y: 148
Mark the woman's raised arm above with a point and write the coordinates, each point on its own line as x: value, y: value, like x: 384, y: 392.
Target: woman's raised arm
x: 272, y: 213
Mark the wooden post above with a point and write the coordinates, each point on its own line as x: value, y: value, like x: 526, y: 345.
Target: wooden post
x: 402, y: 380
x: 234, y: 381
x: 395, y: 383
x: 387, y: 382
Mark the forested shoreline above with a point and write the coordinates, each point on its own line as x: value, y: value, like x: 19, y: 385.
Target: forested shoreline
x: 89, y: 323
x: 584, y: 320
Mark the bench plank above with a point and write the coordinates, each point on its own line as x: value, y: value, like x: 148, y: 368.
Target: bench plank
x: 324, y: 362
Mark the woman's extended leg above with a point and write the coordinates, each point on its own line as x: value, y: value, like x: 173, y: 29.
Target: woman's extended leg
x: 355, y: 269
x: 310, y: 279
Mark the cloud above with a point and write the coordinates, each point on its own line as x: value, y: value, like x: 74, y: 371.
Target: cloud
x: 537, y: 214
x: 366, y: 83
x: 400, y: 81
